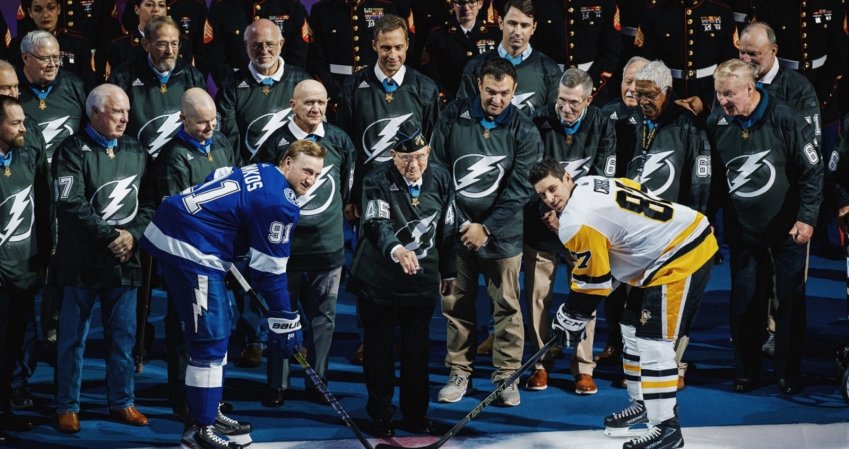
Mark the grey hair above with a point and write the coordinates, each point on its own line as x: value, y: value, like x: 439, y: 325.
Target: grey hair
x: 36, y: 39
x: 656, y: 72
x: 253, y: 25
x: 574, y: 77
x: 763, y: 26
x: 97, y: 97
x: 633, y: 60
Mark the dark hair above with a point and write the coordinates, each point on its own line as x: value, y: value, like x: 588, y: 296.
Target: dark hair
x: 5, y: 102
x: 544, y: 168
x: 388, y: 23
x: 526, y: 7
x: 498, y: 68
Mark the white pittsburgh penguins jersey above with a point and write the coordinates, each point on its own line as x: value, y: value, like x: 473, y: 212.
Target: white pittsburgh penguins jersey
x: 616, y: 231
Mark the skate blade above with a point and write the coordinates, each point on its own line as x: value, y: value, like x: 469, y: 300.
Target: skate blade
x: 188, y: 442
x: 242, y: 440
x: 625, y: 432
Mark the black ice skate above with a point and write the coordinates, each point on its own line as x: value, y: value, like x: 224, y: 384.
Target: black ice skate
x: 204, y: 437
x: 666, y: 435
x: 619, y: 424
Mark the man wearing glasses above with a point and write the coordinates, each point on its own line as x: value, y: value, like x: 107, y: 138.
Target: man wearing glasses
x: 53, y: 97
x: 155, y: 81
x: 405, y: 259
x: 254, y: 103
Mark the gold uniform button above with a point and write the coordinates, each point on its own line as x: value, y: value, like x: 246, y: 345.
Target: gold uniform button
x: 258, y: 7
x: 70, y: 13
x: 237, y: 32
x: 256, y: 17
x: 571, y: 33
x: 689, y: 63
x: 805, y: 55
x: 804, y: 35
x: 804, y: 45
x: 548, y: 21
x: 689, y: 21
x: 356, y: 38
x: 667, y: 35
x: 803, y: 14
x: 571, y: 21
x: 592, y: 23
x: 355, y: 17
x: 804, y: 24
x: 571, y: 45
x: 571, y: 9
x: 690, y: 52
x: 469, y: 54
x: 70, y: 2
x: 689, y: 12
x: 691, y: 73
x: 356, y: 27
x: 357, y: 48
x: 357, y: 58
x: 71, y: 23
x: 690, y: 42
x: 689, y: 32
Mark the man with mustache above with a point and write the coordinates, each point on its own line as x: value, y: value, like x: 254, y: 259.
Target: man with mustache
x: 102, y: 206
x: 155, y: 81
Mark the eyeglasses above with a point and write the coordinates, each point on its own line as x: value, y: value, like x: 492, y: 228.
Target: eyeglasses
x: 573, y: 104
x: 162, y: 45
x: 258, y: 46
x: 409, y: 158
x: 44, y: 60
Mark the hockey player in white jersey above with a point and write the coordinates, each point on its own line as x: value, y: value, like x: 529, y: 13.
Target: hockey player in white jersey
x: 617, y: 233
x: 196, y: 236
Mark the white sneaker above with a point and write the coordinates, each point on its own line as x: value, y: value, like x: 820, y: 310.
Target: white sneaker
x: 510, y: 395
x: 455, y: 388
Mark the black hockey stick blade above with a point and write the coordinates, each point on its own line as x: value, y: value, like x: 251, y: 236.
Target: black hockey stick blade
x: 319, y: 384
x: 482, y: 405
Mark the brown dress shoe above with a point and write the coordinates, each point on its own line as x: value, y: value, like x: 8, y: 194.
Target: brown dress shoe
x: 584, y: 384
x: 538, y: 380
x: 129, y: 415
x: 485, y: 348
x: 608, y: 355
x: 68, y: 422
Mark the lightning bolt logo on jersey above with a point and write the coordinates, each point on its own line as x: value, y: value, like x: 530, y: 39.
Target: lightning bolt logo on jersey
x: 418, y: 235
x: 477, y: 175
x: 158, y: 131
x: 259, y: 130
x: 20, y: 216
x: 55, y: 131
x: 751, y: 175
x: 523, y: 101
x: 378, y: 137
x: 324, y: 190
x: 657, y: 173
x: 578, y: 167
x: 117, y: 201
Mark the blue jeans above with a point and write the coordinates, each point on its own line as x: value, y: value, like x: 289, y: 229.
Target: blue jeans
x: 118, y: 314
x: 316, y: 292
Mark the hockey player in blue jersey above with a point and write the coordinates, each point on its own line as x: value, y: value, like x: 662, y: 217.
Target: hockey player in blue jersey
x: 196, y: 236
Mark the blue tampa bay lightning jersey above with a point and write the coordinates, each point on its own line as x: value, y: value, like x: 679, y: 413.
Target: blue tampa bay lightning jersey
x: 250, y: 210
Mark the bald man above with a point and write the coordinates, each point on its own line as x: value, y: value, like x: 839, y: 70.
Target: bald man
x: 187, y: 159
x: 318, y: 251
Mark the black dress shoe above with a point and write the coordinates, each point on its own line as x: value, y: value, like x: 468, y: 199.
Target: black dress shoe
x: 15, y: 423
x: 274, y: 397
x: 418, y: 425
x: 789, y: 386
x: 382, y: 428
x: 20, y: 398
x: 4, y: 437
x: 743, y: 385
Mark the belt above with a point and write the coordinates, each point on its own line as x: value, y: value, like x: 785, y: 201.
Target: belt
x: 740, y: 17
x: 585, y: 66
x: 795, y: 65
x: 704, y: 72
x: 341, y: 69
x: 628, y: 31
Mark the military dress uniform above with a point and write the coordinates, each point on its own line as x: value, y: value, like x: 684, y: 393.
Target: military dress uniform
x: 691, y: 37
x: 582, y: 34
x: 742, y: 11
x: 5, y: 38
x: 334, y: 24
x: 812, y: 39
x: 191, y: 17
x: 95, y: 20
x: 448, y: 48
x: 630, y: 13
x: 228, y: 20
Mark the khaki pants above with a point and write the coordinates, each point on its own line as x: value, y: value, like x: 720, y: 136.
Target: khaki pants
x: 540, y: 275
x: 502, y: 282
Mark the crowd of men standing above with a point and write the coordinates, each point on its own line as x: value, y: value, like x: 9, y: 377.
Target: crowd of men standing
x: 431, y: 115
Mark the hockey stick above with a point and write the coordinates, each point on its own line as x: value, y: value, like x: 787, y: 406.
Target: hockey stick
x: 320, y: 385
x: 482, y: 405
x: 143, y: 311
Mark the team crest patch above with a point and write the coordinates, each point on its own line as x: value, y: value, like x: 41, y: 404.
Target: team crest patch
x: 291, y: 196
x: 420, y: 141
x: 645, y: 316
